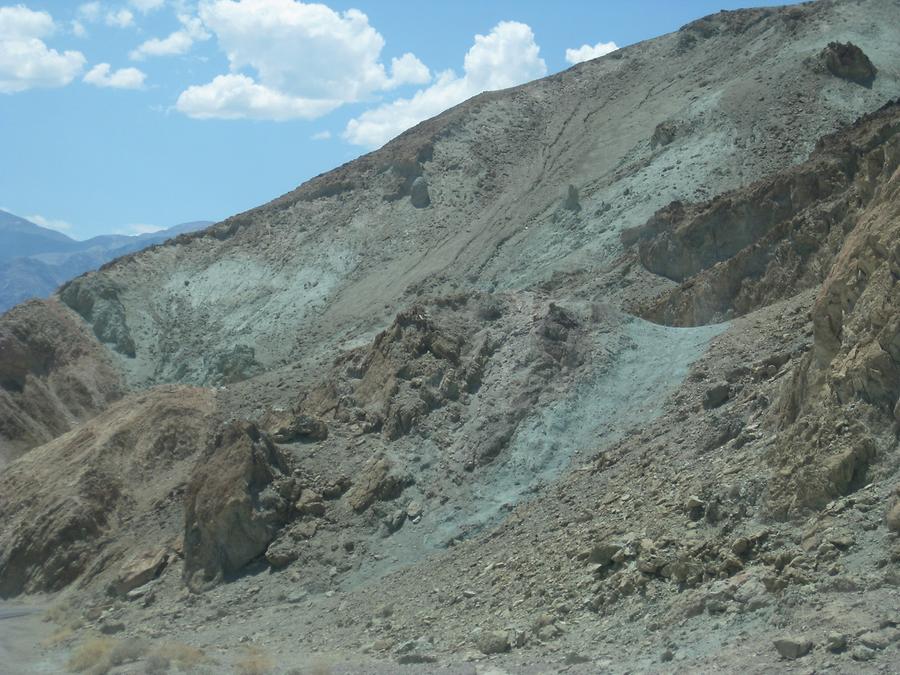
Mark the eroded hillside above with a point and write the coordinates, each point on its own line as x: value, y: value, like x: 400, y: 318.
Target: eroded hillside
x: 599, y: 373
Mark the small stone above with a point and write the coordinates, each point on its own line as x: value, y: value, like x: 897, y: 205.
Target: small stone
x: 862, y: 653
x: 112, y: 627
x: 836, y: 642
x: 793, y: 647
x: 667, y: 656
x: 716, y: 395
x: 418, y: 193
x: 574, y: 658
x: 493, y: 642
x: 740, y: 546
x: 875, y: 640
x: 414, y: 510
x: 893, y: 518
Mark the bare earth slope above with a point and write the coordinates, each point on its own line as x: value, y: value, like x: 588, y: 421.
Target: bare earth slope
x: 620, y: 393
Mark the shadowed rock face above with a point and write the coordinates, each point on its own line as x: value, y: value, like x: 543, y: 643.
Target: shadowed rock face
x: 848, y: 61
x: 237, y: 500
x: 751, y: 247
x: 833, y: 223
x: 53, y: 375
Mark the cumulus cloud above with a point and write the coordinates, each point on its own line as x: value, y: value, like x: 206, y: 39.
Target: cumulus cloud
x: 321, y: 136
x: 25, y: 59
x: 588, y: 52
x: 50, y: 223
x: 305, y: 60
x: 102, y: 75
x: 233, y: 97
x: 505, y: 57
x: 178, y: 42
x: 120, y: 18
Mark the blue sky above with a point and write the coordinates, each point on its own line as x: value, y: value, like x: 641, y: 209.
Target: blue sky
x: 130, y: 115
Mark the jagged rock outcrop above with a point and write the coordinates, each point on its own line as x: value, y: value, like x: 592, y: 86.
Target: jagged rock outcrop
x: 841, y: 406
x: 97, y: 300
x: 418, y: 193
x: 848, y: 61
x: 237, y: 500
x: 830, y: 221
x: 751, y: 247
x: 53, y: 375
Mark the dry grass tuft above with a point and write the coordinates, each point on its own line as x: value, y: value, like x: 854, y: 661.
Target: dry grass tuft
x: 92, y: 655
x: 184, y: 656
x: 61, y: 635
x: 254, y: 662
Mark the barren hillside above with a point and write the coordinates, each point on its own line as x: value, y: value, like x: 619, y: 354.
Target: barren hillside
x: 600, y: 373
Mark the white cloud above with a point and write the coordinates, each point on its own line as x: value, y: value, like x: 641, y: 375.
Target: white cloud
x: 78, y: 29
x: 90, y: 11
x: 321, y: 136
x: 121, y: 18
x: 178, y: 42
x: 306, y: 58
x: 50, y: 223
x: 102, y: 75
x: 232, y: 97
x: 145, y: 6
x: 408, y: 70
x: 25, y: 60
x: 588, y: 52
x: 507, y: 56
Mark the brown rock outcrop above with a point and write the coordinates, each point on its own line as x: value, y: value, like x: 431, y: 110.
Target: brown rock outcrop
x: 74, y: 508
x: 233, y: 507
x: 53, y: 375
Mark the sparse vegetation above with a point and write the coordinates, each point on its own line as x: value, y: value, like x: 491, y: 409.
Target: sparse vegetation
x: 99, y: 655
x: 91, y: 656
x: 254, y: 662
x: 182, y: 655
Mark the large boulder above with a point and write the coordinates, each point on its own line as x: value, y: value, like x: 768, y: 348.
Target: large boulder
x: 849, y: 62
x: 234, y: 505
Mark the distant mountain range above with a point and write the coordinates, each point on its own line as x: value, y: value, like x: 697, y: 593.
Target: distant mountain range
x: 34, y: 260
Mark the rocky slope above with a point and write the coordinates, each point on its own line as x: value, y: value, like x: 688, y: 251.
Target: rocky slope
x: 550, y: 381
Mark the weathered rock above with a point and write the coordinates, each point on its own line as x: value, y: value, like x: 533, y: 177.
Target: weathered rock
x: 418, y: 193
x: 232, y: 509
x: 793, y: 647
x: 892, y: 519
x: 836, y: 642
x: 493, y: 642
x: 310, y: 504
x: 862, y: 653
x: 716, y: 395
x: 571, y: 202
x: 377, y: 481
x: 294, y: 427
x: 847, y: 61
x: 663, y: 134
x: 603, y: 554
x: 140, y: 569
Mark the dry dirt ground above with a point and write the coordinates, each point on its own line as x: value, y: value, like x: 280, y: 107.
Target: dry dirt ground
x: 622, y: 398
